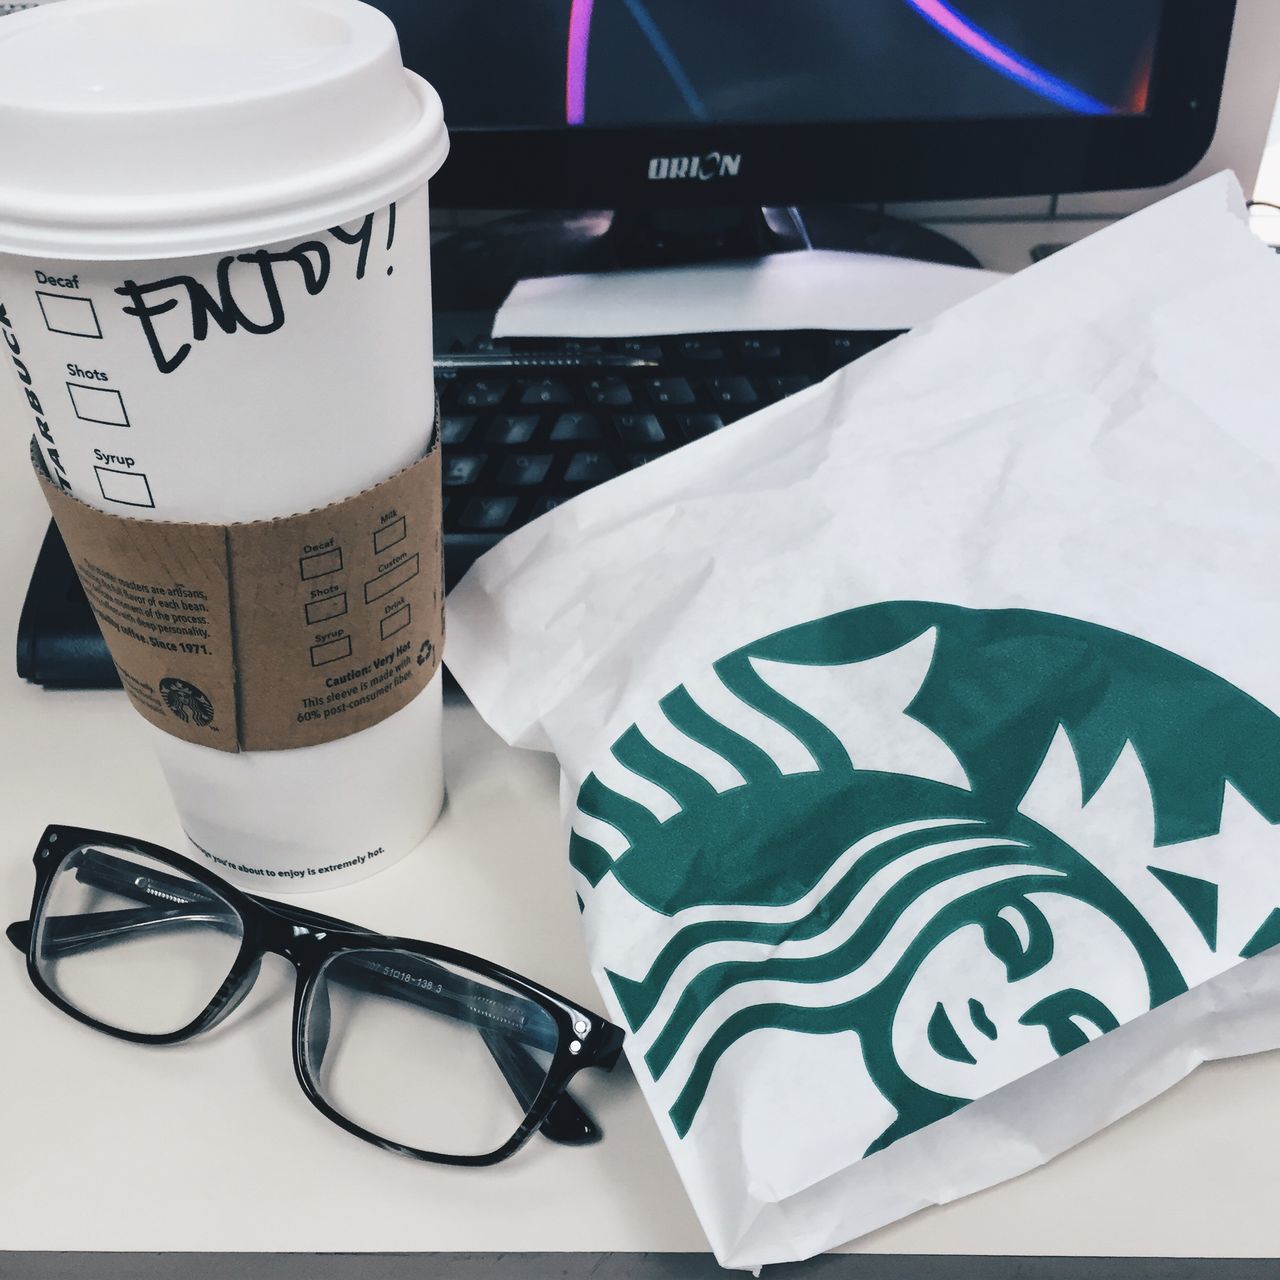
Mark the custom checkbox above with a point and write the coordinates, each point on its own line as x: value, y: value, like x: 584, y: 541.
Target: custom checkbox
x: 65, y: 314
x: 129, y: 488
x: 392, y: 580
x: 98, y: 404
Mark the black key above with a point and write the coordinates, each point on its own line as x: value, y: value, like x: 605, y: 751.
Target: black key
x: 577, y: 426
x: 483, y: 393
x: 487, y: 513
x: 491, y: 347
x: 590, y: 468
x: 639, y: 459
x: 699, y: 349
x: 543, y: 505
x: 455, y: 430
x: 788, y: 384
x: 462, y: 468
x: 640, y: 428
x: 843, y: 347
x: 512, y: 428
x: 545, y: 391
x: 737, y: 391
x: 609, y: 391
x: 524, y: 468
x: 670, y: 391
x: 763, y: 347
x: 697, y: 425
x: 641, y: 349
x: 580, y: 347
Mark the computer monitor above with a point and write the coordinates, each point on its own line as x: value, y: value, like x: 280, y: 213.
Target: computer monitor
x: 684, y: 103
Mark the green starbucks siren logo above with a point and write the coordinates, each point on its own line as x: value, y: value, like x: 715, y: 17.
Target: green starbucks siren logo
x: 975, y: 839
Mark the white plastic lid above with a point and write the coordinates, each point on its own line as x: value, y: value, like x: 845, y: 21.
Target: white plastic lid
x: 164, y: 128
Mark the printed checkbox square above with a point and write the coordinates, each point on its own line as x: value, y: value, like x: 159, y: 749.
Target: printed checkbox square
x: 332, y: 651
x: 129, y: 488
x: 330, y: 607
x: 396, y: 620
x: 392, y: 580
x: 387, y: 537
x: 65, y: 314
x: 320, y: 563
x: 98, y: 404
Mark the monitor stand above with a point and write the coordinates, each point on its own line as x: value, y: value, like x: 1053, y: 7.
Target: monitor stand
x: 474, y: 268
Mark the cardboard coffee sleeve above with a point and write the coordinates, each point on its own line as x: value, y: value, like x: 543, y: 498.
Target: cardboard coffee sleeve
x: 269, y: 634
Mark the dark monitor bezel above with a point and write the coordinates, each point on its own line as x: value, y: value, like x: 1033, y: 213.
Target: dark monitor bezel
x: 867, y: 161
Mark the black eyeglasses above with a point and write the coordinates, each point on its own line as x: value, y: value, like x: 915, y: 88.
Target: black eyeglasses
x: 414, y: 1047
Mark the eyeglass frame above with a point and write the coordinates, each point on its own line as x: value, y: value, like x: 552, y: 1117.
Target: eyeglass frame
x: 308, y: 940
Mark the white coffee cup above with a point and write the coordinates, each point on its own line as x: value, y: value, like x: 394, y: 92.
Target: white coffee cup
x: 214, y: 255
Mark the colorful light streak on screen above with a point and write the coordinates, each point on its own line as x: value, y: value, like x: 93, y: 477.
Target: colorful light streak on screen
x: 941, y: 15
x: 575, y: 76
x: 1004, y: 60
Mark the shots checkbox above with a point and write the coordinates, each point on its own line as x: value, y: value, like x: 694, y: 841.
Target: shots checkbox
x: 65, y: 314
x: 318, y: 611
x: 128, y: 488
x: 98, y: 404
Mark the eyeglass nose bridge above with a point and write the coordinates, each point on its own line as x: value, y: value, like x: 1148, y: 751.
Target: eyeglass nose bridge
x: 296, y: 942
x: 295, y: 933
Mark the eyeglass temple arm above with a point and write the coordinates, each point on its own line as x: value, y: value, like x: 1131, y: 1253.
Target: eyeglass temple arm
x: 566, y: 1122
x: 64, y: 934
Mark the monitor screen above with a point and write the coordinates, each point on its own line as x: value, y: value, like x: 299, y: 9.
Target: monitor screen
x: 507, y: 65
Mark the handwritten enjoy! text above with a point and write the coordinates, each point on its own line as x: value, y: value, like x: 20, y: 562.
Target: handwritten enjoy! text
x: 243, y: 283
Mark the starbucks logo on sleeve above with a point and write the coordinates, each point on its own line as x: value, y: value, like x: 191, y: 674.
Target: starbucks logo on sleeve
x: 187, y: 702
x: 965, y: 842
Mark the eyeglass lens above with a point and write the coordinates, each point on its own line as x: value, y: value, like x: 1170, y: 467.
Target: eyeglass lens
x: 133, y: 943
x: 424, y: 1053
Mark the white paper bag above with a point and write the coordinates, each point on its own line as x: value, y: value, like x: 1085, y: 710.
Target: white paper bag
x: 921, y: 762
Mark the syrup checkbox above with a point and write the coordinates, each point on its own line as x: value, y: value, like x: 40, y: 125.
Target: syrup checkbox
x: 129, y: 488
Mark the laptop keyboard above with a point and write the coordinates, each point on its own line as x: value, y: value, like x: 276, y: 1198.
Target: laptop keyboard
x: 531, y: 422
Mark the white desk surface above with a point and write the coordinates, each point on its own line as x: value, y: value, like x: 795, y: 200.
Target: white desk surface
x: 211, y: 1146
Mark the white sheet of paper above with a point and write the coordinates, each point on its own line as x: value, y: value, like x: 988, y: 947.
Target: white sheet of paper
x: 920, y: 735
x: 806, y: 289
